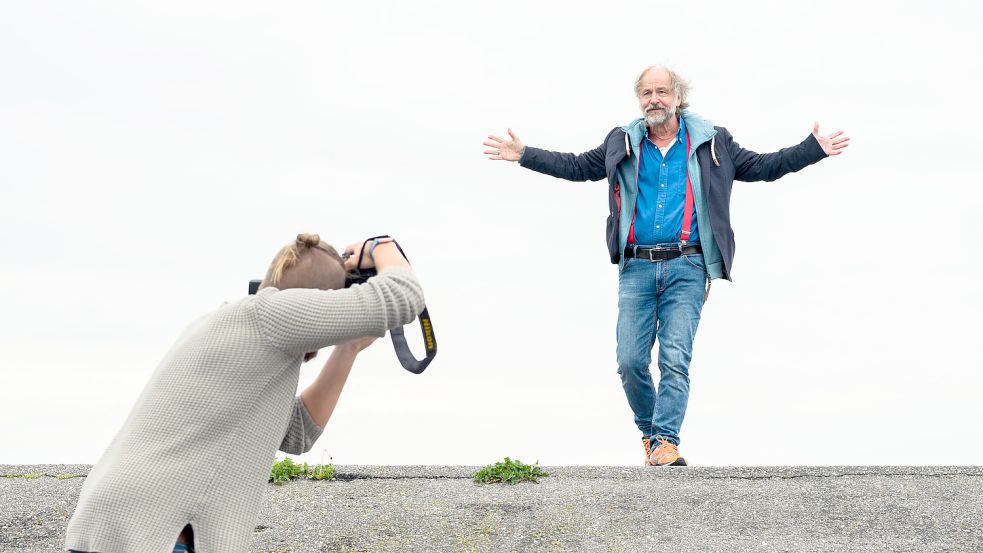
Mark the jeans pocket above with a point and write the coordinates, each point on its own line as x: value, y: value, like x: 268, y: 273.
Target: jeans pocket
x: 696, y: 260
x: 624, y: 266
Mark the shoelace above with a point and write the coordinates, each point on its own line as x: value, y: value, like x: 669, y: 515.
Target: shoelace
x: 666, y: 447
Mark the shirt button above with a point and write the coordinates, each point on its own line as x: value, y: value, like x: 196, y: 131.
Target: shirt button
x: 658, y: 226
x: 660, y: 205
x: 663, y: 164
x: 663, y: 186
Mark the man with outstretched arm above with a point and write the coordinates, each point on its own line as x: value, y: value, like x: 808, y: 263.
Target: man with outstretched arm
x: 670, y: 175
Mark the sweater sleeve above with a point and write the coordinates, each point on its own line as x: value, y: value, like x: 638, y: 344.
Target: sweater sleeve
x: 300, y: 320
x: 302, y: 431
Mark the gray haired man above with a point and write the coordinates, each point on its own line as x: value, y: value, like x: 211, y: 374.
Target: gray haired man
x: 670, y: 174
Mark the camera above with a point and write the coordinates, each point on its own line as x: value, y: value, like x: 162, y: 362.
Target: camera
x: 358, y: 276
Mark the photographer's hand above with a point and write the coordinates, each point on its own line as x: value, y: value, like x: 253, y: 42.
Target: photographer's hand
x: 384, y: 255
x: 359, y: 344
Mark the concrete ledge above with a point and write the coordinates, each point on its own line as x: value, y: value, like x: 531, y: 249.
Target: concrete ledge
x: 692, y: 509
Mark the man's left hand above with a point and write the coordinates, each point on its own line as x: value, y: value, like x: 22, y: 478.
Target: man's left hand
x: 832, y: 144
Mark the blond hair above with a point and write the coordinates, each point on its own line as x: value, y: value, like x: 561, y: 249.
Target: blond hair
x: 306, y: 263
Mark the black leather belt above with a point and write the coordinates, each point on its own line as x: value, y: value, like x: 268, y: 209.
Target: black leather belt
x: 661, y: 254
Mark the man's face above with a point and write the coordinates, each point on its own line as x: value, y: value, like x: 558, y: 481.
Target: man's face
x: 655, y: 97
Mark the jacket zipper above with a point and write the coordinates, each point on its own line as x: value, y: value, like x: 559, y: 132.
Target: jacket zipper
x: 634, y: 204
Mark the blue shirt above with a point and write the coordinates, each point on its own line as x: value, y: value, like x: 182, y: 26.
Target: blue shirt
x: 662, y: 193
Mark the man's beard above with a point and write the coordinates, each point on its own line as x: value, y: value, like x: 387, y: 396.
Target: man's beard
x: 659, y: 117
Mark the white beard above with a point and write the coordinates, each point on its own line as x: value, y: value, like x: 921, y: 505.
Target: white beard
x: 660, y: 117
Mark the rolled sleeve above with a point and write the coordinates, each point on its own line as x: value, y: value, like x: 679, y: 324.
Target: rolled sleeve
x: 302, y: 431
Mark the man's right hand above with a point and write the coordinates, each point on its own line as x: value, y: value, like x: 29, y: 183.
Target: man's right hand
x: 500, y: 148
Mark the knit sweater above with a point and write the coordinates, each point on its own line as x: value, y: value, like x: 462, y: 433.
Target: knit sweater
x: 197, y: 446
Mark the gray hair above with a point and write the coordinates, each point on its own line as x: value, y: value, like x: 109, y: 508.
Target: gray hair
x: 680, y: 86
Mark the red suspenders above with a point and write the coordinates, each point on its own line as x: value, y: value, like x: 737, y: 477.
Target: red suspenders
x: 687, y: 203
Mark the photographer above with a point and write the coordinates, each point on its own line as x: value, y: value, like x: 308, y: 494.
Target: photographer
x: 191, y: 461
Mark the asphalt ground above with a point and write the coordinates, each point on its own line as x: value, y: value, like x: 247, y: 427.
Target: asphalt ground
x: 582, y: 509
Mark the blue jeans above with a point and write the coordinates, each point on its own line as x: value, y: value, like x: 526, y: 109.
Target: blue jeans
x: 659, y: 300
x: 178, y: 548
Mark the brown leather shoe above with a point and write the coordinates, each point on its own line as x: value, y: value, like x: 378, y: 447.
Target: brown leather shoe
x: 647, y: 444
x: 666, y: 454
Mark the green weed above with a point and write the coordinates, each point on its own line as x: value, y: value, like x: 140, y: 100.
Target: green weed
x: 320, y: 472
x: 286, y: 469
x: 510, y: 472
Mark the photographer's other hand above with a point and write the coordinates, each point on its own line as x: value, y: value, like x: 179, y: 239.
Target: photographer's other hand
x: 357, y: 345
x: 353, y: 346
x: 507, y: 150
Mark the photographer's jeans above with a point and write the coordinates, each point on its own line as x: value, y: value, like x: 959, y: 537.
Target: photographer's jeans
x: 178, y: 548
x: 659, y: 300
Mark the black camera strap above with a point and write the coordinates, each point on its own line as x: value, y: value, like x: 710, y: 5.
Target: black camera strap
x: 403, y: 353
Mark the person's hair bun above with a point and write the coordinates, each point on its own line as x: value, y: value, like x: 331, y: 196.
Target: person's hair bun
x: 308, y: 240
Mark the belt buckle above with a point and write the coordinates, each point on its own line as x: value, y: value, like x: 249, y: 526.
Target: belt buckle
x: 663, y: 251
x: 653, y: 251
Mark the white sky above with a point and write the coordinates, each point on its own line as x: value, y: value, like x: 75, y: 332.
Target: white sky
x: 154, y: 156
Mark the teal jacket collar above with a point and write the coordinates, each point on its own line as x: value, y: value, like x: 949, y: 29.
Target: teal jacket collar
x: 700, y: 130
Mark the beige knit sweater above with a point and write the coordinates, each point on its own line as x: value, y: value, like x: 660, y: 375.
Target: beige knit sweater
x: 197, y: 447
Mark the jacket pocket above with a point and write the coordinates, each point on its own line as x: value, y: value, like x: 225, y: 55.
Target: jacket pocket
x: 614, y: 221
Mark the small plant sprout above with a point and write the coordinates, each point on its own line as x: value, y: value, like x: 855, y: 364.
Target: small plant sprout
x: 510, y: 472
x: 286, y: 470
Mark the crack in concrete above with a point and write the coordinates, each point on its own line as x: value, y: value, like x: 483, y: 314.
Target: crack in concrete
x: 351, y: 477
x: 845, y: 474
x: 35, y: 476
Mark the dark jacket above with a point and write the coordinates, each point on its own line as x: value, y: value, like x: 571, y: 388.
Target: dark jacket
x: 616, y: 158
